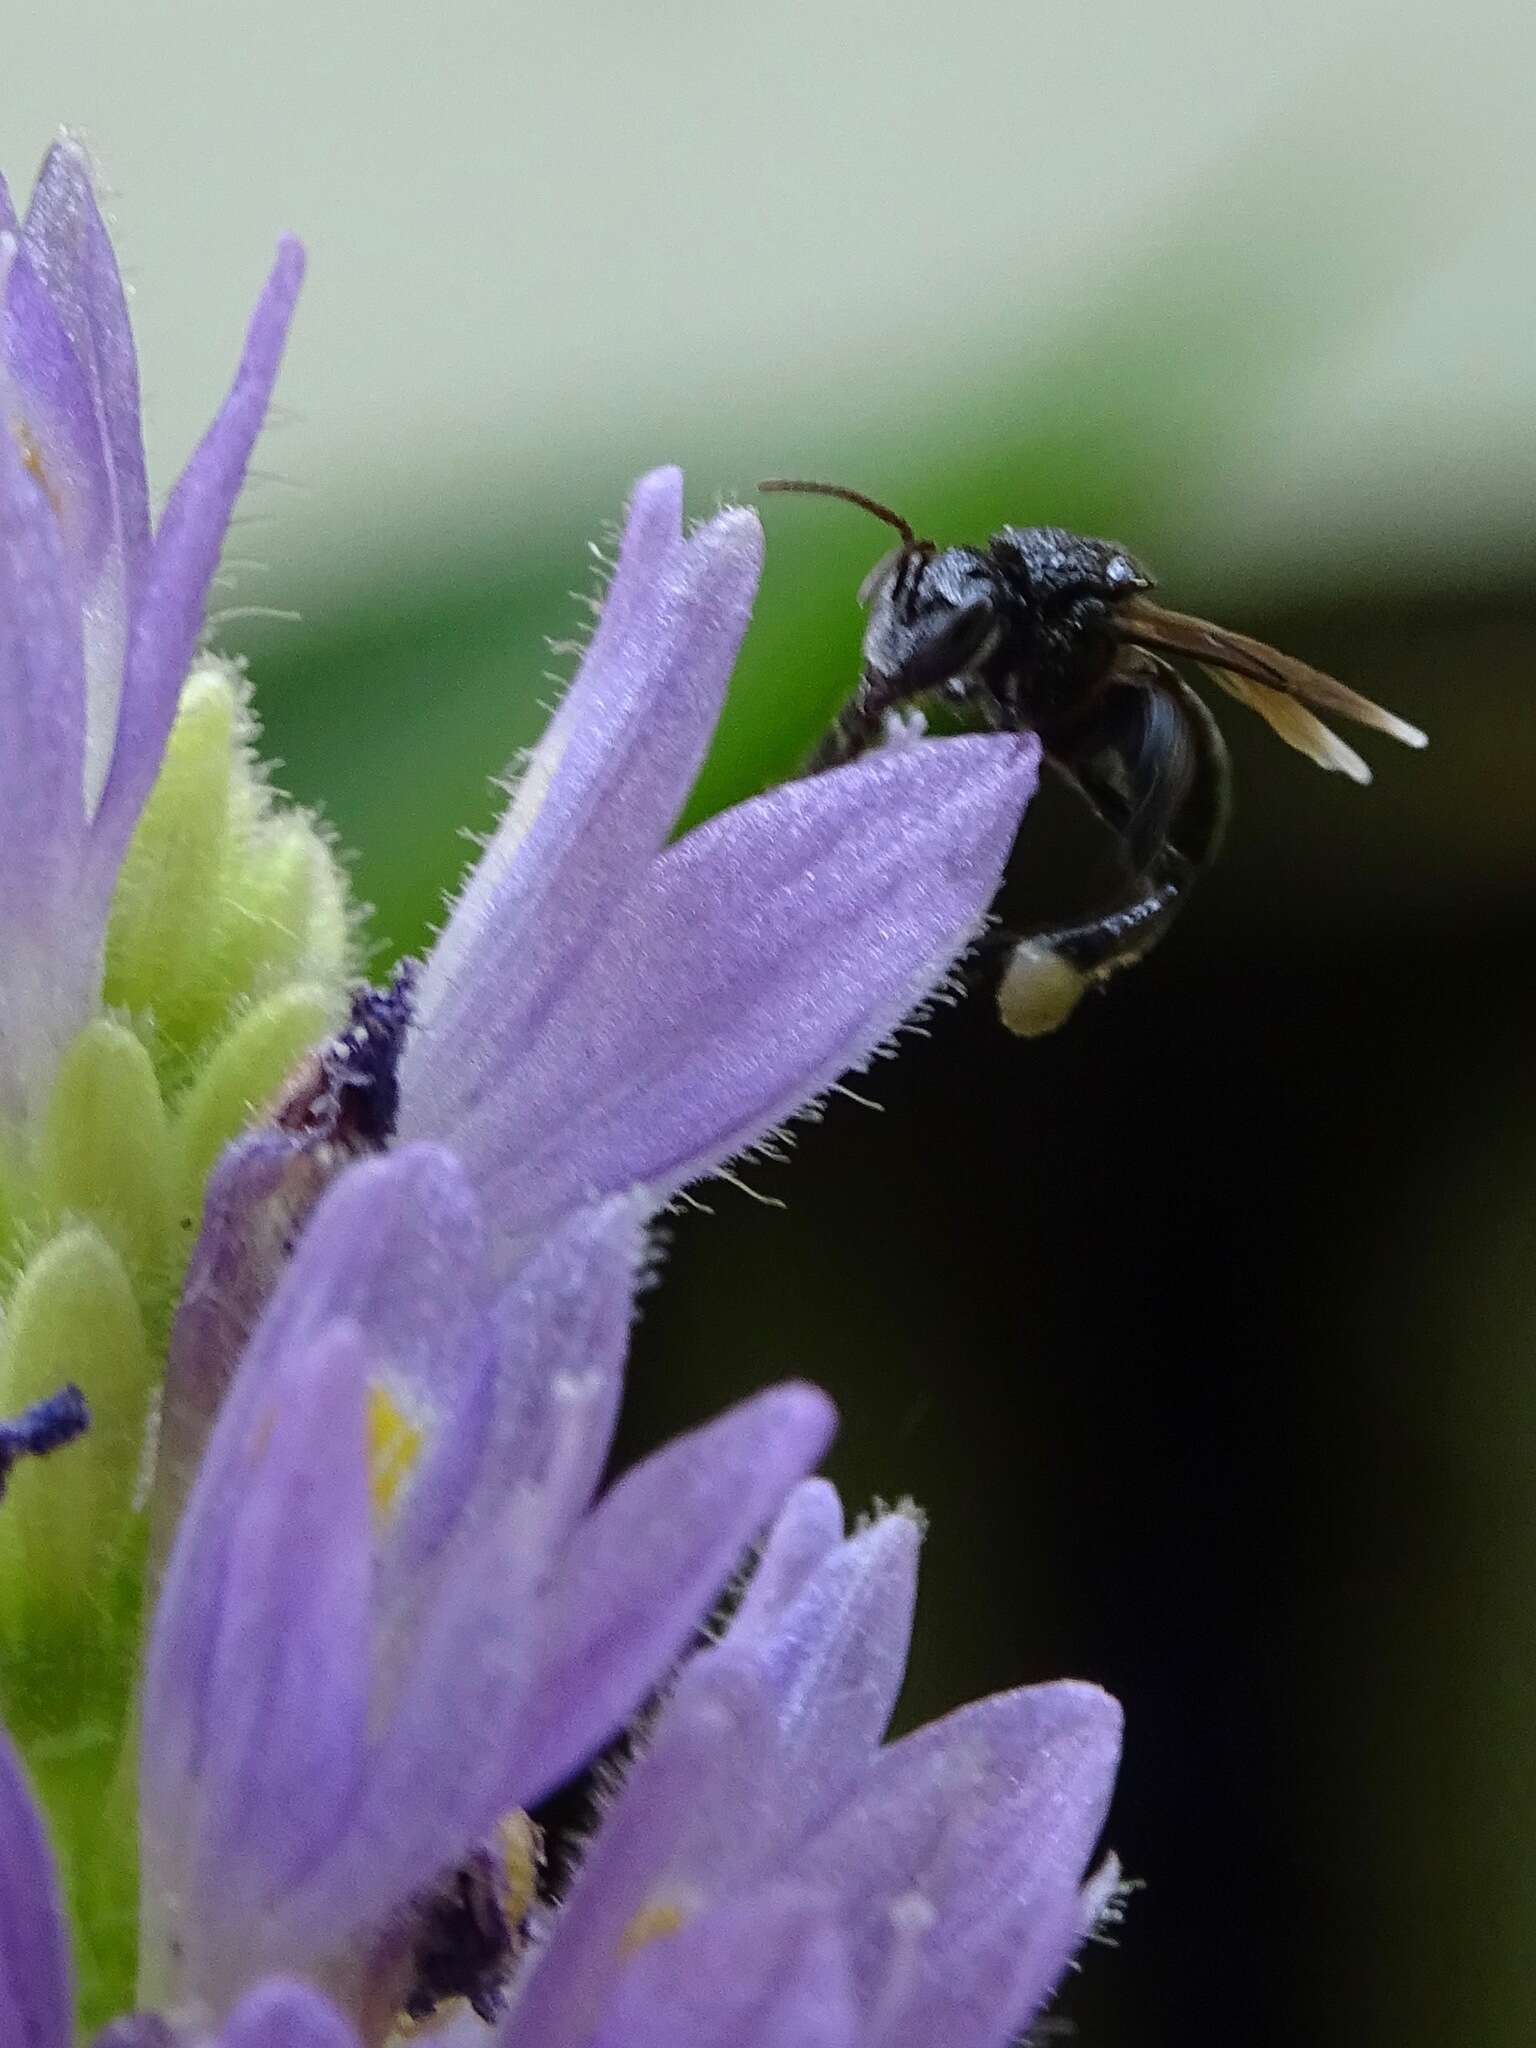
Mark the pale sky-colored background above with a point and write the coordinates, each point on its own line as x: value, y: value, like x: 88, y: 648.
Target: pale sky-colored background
x: 547, y: 240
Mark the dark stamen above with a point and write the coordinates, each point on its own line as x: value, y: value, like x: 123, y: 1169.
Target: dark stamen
x: 46, y: 1426
x: 348, y: 1094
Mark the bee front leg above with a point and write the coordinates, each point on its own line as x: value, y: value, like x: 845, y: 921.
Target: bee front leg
x: 860, y: 724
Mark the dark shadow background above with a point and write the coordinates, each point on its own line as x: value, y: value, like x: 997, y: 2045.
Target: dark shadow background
x: 1202, y: 1330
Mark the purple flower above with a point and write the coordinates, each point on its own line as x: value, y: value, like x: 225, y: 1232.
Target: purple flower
x: 99, y: 617
x: 770, y: 1876
x: 392, y: 1614
x: 608, y: 1014
x: 396, y: 1608
x: 606, y: 1011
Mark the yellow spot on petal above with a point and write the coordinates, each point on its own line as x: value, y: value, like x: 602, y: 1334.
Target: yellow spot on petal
x: 32, y: 462
x: 654, y: 1922
x: 394, y: 1447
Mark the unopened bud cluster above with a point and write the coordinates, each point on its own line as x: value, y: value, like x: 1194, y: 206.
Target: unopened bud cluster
x: 225, y: 960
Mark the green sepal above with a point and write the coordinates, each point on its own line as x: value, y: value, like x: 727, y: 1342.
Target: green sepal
x: 244, y: 1074
x: 64, y: 1521
x: 226, y: 961
x: 223, y: 897
x: 283, y: 914
x: 105, y: 1149
x: 163, y: 910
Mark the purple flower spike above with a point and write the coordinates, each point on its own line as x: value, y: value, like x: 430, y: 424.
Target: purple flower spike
x: 605, y: 1012
x: 36, y: 2004
x: 98, y: 619
x: 392, y: 1612
x: 935, y: 1888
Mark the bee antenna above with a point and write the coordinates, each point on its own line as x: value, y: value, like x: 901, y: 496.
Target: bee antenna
x: 814, y: 490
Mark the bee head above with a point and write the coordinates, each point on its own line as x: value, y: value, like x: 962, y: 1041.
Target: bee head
x: 932, y: 616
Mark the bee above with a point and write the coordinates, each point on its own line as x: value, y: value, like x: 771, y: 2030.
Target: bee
x: 1048, y: 632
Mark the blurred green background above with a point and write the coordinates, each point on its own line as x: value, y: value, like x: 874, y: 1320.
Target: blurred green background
x: 1204, y: 1331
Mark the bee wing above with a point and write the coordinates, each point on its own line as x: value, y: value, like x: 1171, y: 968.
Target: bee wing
x: 1296, y: 725
x: 1283, y: 691
x: 1135, y: 762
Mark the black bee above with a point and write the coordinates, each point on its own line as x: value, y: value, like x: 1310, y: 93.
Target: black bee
x: 1044, y: 631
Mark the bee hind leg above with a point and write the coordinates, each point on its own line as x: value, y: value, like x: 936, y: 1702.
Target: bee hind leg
x: 1042, y: 976
x: 1151, y: 763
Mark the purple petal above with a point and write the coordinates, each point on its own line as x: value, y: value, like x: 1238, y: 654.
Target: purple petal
x: 256, y: 1691
x: 1056, y: 1746
x: 51, y: 942
x: 48, y: 403
x: 397, y: 1247
x: 461, y: 1568
x: 640, y: 1573
x: 394, y: 1250
x: 9, y: 225
x: 279, y: 2015
x: 834, y: 1661
x: 140, y: 2030
x: 809, y: 1529
x: 70, y: 357
x: 36, y: 2003
x: 437, y: 1759
x: 770, y: 1974
x: 168, y: 615
x: 982, y: 1981
x: 515, y: 1388
x: 596, y: 801
x: 685, y: 1835
x: 433, y: 1614
x: 67, y: 239
x: 991, y: 1812
x: 444, y: 1721
x: 459, y: 1580
x: 557, y: 1338
x: 751, y: 964
x: 242, y: 1245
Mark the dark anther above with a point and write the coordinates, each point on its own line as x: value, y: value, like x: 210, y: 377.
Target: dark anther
x: 349, y: 1093
x: 363, y: 1064
x: 46, y: 1426
x: 465, y: 1944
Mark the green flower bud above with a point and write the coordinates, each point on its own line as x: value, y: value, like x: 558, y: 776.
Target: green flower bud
x: 226, y: 961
